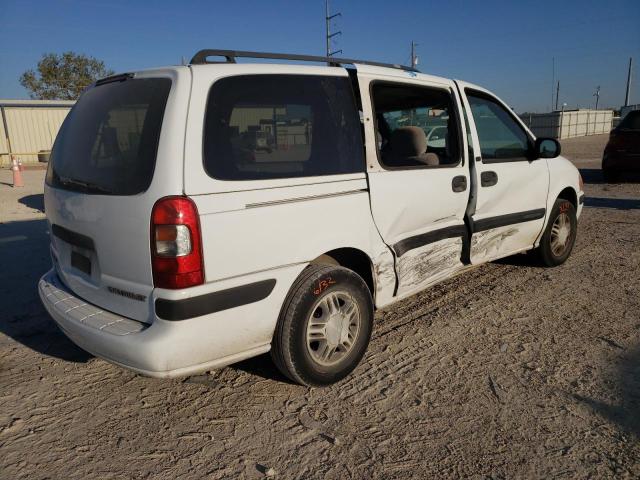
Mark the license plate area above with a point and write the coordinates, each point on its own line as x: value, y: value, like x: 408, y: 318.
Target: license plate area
x: 80, y: 262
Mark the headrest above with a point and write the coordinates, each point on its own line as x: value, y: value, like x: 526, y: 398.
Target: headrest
x: 408, y: 141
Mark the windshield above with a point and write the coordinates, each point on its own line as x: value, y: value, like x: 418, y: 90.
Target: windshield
x: 108, y: 142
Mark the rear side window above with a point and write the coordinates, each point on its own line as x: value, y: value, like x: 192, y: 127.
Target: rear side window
x: 281, y: 126
x: 416, y: 126
x: 109, y: 140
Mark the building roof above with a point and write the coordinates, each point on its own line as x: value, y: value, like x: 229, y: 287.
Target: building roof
x: 36, y: 103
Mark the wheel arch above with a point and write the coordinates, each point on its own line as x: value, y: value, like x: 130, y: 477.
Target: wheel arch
x: 569, y: 193
x: 352, y: 258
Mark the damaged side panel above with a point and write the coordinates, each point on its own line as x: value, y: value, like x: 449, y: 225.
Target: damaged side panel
x: 428, y: 264
x: 503, y: 241
x: 488, y: 245
x: 384, y: 277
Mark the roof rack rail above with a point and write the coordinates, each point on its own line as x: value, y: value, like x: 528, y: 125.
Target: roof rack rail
x: 231, y: 55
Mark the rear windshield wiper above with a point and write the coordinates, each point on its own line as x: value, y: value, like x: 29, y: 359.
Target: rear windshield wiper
x: 87, y: 186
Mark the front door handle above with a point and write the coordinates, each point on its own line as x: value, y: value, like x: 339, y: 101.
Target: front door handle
x: 488, y: 179
x: 459, y: 183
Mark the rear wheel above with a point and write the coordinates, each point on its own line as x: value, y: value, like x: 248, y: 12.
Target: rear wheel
x: 560, y: 235
x: 324, y: 327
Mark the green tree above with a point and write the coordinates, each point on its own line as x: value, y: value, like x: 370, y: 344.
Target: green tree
x: 63, y: 77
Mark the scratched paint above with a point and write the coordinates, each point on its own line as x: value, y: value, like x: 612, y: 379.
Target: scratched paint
x: 385, y: 277
x: 420, y: 266
x: 488, y: 244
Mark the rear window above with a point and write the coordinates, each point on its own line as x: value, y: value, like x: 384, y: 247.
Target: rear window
x: 281, y: 126
x: 631, y: 121
x: 109, y: 140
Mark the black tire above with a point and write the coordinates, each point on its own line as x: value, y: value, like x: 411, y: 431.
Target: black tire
x: 547, y: 252
x: 291, y: 350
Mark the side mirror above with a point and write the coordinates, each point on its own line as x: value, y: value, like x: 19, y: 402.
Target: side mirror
x: 546, y: 148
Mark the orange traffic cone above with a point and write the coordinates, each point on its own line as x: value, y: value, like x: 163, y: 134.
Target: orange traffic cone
x: 17, y: 175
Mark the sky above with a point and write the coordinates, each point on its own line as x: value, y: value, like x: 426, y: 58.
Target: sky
x: 505, y: 46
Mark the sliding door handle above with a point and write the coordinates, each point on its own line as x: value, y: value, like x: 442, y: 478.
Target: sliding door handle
x: 488, y: 179
x: 459, y: 183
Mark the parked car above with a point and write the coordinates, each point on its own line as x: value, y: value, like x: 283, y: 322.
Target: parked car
x: 437, y: 137
x: 175, y: 252
x: 622, y: 153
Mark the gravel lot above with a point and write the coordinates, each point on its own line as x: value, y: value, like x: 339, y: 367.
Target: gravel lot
x: 508, y: 371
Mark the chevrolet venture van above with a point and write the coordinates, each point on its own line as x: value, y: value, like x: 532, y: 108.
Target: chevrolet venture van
x: 208, y: 213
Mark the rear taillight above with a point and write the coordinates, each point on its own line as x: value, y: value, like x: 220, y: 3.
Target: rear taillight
x: 176, y: 244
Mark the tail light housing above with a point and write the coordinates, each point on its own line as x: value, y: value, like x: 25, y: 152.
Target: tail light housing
x: 176, y: 244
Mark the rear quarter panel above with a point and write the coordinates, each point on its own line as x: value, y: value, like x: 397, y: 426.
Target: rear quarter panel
x: 269, y: 225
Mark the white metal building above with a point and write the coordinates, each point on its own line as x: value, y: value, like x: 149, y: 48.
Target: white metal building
x: 569, y: 123
x: 29, y: 126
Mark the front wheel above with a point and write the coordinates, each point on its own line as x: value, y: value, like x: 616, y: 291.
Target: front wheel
x: 560, y: 235
x: 324, y: 327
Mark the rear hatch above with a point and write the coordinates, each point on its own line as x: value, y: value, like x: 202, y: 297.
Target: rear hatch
x: 98, y: 195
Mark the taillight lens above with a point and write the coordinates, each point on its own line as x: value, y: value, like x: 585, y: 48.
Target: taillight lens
x: 176, y: 244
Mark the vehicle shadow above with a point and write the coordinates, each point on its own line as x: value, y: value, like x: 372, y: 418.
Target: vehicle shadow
x: 526, y: 259
x: 35, y: 201
x: 626, y: 411
x: 24, y: 256
x: 595, y: 176
x: 261, y: 366
x: 592, y: 175
x: 615, y: 203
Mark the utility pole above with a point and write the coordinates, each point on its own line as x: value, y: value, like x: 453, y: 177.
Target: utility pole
x: 627, y: 97
x: 553, y: 81
x: 330, y: 35
x: 561, y: 121
x: 414, y: 57
x: 597, y: 95
x: 557, y: 94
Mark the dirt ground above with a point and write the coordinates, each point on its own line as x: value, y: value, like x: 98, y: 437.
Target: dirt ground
x: 508, y: 371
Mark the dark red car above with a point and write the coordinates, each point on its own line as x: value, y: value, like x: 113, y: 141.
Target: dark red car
x: 622, y: 153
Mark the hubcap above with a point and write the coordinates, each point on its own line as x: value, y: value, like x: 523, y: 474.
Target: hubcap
x: 333, y: 327
x: 560, y: 234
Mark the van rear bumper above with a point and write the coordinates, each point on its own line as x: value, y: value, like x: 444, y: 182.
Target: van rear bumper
x: 162, y: 349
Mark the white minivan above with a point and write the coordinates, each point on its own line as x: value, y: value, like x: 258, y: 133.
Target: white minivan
x: 208, y: 213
